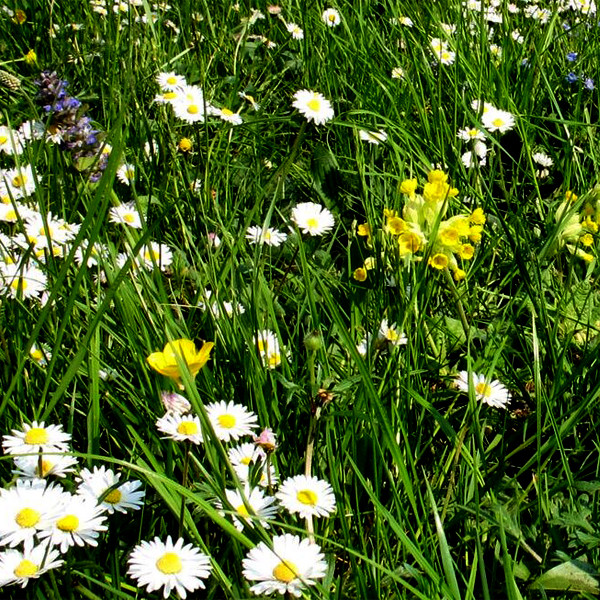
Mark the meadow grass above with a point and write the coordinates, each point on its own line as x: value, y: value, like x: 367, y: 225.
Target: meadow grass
x: 438, y: 493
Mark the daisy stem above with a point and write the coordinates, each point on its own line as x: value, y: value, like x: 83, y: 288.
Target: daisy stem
x: 184, y: 481
x: 315, y: 413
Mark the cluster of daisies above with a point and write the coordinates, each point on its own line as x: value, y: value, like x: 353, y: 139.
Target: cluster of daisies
x: 41, y: 520
x: 492, y: 120
x: 289, y: 563
x: 188, y: 102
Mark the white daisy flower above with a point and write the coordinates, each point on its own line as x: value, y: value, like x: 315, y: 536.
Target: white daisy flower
x: 391, y: 334
x: 28, y: 467
x: 98, y: 252
x: 497, y: 120
x: 331, y: 17
x: 169, y: 97
x: 36, y: 438
x: 19, y: 181
x: 262, y: 507
x: 228, y: 308
x: 230, y: 421
x: 126, y: 173
x: 296, y: 31
x: 288, y: 568
x: 44, y: 230
x: 158, y: 564
x: 244, y: 457
x: 265, y: 235
x: 228, y: 116
x: 307, y: 496
x: 170, y: 81
x: 10, y: 141
x: 314, y: 106
x: 27, y: 508
x: 94, y: 484
x: 189, y: 106
x: 268, y: 348
x: 11, y: 212
x: 397, y: 73
x: 18, y: 567
x: 181, y: 427
x: 373, y: 137
x: 26, y: 281
x: 312, y: 218
x: 495, y: 393
x: 79, y: 522
x: 154, y: 254
x: 470, y: 133
x: 541, y: 158
x: 125, y: 214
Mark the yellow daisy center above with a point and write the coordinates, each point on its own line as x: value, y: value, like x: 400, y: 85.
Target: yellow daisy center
x: 19, y: 181
x: 392, y: 335
x: 3, y: 139
x: 307, y: 497
x: 193, y: 109
x: 246, y: 460
x: 68, y: 523
x: 169, y: 563
x: 37, y: 355
x: 187, y: 428
x: 485, y: 389
x: 331, y: 17
x: 312, y: 223
x: 314, y: 105
x: 113, y: 497
x: 285, y: 571
x: 226, y: 421
x: 36, y: 435
x: 46, y: 468
x: 171, y: 80
x: 11, y: 215
x: 25, y: 569
x: 242, y: 511
x: 28, y: 517
x: 128, y: 218
x: 226, y: 112
x: 169, y: 95
x: 19, y: 284
x: 498, y: 122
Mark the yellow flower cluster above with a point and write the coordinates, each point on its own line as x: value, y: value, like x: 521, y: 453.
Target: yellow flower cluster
x: 422, y: 226
x: 576, y: 230
x: 422, y: 230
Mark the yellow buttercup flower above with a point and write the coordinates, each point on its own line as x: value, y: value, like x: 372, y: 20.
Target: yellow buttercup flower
x: 177, y: 352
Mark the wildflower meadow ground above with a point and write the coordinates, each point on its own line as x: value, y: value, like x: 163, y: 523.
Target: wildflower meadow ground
x: 299, y: 300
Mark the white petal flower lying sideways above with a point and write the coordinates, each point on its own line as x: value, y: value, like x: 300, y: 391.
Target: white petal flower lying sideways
x: 493, y: 393
x: 288, y: 568
x: 169, y: 565
x: 262, y: 508
x: 36, y: 438
x: 19, y: 567
x: 94, y: 484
